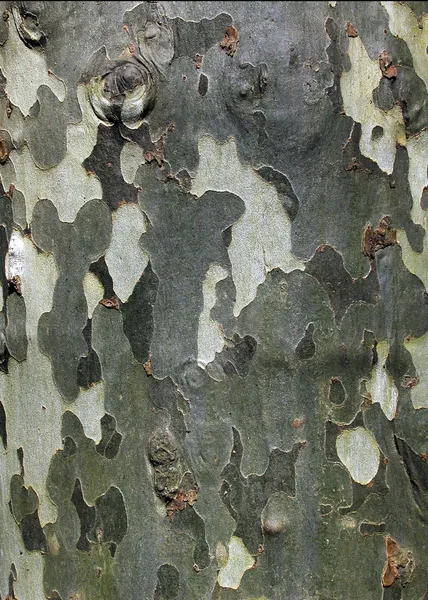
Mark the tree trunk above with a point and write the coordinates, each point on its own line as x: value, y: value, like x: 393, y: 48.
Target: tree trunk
x: 214, y: 324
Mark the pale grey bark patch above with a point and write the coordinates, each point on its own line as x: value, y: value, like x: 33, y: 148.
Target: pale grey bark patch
x: 310, y: 356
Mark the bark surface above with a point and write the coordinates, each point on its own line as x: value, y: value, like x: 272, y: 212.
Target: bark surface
x: 213, y: 306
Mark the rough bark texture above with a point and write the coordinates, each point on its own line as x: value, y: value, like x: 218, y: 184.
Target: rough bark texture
x: 214, y: 323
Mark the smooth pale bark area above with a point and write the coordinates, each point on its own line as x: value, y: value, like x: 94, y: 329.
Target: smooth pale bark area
x: 213, y: 307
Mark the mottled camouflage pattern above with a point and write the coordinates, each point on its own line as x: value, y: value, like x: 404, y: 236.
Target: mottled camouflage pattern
x: 214, y: 323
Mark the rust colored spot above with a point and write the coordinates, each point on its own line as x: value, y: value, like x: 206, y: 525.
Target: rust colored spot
x: 399, y: 564
x: 157, y: 154
x: 376, y: 239
x: 297, y: 423
x: 370, y: 484
x: 391, y: 72
x: 182, y: 501
x: 230, y: 41
x: 4, y: 151
x: 260, y: 549
x: 385, y: 64
x: 351, y: 31
x: 112, y: 302
x: 410, y: 382
x: 154, y: 156
x: 131, y: 47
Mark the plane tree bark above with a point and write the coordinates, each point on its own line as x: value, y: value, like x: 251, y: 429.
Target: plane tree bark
x: 214, y: 323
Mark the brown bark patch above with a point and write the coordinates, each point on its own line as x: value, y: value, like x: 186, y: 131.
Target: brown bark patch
x: 181, y: 501
x: 230, y: 41
x: 376, y: 239
x: 4, y: 151
x: 385, y: 64
x: 351, y: 30
x: 148, y: 367
x: 399, y: 564
x: 112, y: 302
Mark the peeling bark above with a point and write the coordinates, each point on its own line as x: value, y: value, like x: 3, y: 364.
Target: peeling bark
x: 213, y: 300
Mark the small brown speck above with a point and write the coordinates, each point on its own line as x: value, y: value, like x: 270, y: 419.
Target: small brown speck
x: 351, y: 31
x: 230, y: 41
x: 112, y: 302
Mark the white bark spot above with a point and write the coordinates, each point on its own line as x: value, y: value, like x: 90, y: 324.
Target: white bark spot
x: 239, y: 561
x: 261, y: 239
x: 131, y: 157
x: 357, y: 87
x: 125, y: 258
x: 404, y: 24
x: 381, y: 385
x: 418, y: 348
x: 358, y: 451
x: 25, y: 70
x: 89, y: 408
x: 67, y: 184
x: 210, y: 337
x: 15, y: 256
x: 94, y: 291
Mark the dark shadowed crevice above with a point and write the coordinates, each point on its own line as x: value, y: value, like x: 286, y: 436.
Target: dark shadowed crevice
x: 3, y: 430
